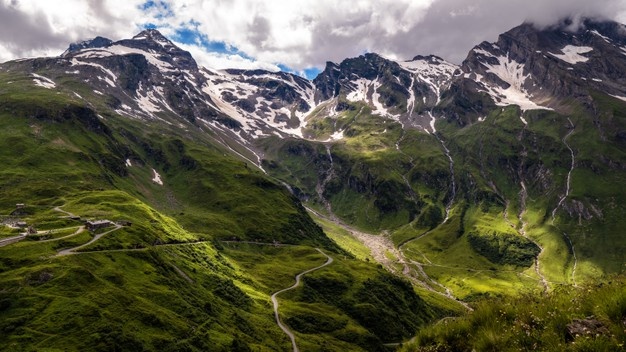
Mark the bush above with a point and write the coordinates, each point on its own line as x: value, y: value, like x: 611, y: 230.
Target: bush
x: 504, y: 248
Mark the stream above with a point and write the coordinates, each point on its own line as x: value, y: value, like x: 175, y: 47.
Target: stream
x: 568, y: 189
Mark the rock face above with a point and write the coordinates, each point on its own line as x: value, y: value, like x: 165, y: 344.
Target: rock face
x: 398, y: 90
x: 97, y: 42
x: 146, y: 77
x: 547, y: 69
x: 263, y: 102
x: 536, y: 69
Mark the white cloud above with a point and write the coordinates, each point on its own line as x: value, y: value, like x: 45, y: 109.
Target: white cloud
x: 41, y: 27
x: 298, y: 34
x: 221, y: 61
x: 301, y: 33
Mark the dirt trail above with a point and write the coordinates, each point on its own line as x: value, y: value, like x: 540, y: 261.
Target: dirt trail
x: 182, y: 274
x: 94, y: 239
x: 296, y: 284
x: 78, y: 231
x: 69, y: 215
x: 9, y: 240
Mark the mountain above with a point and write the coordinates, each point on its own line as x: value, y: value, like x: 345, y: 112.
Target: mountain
x: 431, y: 186
x: 196, y: 239
x: 545, y: 69
x: 505, y: 160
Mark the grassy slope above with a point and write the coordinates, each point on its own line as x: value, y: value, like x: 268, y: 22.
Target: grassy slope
x: 347, y: 302
x: 535, y: 323
x: 150, y: 286
x: 492, y: 158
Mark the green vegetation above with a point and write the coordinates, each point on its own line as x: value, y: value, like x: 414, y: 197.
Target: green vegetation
x: 166, y: 281
x: 503, y: 248
x: 586, y: 318
x: 479, y: 211
x: 349, y: 301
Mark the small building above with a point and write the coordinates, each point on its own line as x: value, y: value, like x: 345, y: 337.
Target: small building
x: 20, y: 206
x: 21, y: 224
x: 74, y: 217
x: 97, y: 224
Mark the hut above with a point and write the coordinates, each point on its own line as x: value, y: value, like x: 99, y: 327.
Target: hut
x: 97, y: 224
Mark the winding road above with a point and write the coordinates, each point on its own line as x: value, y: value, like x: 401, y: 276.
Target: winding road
x: 94, y: 239
x: 275, y: 299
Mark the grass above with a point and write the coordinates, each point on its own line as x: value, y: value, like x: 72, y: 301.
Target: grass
x: 345, y: 240
x: 449, y: 257
x: 6, y: 231
x: 530, y: 322
x: 328, y: 309
x: 176, y: 294
x: 57, y: 152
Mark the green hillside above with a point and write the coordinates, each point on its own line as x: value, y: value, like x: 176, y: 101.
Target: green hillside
x: 586, y: 318
x: 161, y: 278
x: 509, y: 180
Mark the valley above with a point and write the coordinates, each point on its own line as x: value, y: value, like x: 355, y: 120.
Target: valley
x: 152, y: 204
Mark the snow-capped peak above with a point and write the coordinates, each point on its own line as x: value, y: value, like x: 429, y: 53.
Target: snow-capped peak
x: 153, y: 35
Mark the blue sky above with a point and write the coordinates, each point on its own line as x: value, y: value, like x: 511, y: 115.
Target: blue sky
x: 189, y: 33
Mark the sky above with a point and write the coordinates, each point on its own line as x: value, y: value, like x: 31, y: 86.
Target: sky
x: 298, y: 36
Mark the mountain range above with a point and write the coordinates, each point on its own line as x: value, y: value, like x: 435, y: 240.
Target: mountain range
x: 429, y: 186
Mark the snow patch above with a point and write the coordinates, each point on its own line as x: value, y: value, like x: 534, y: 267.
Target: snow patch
x: 432, y: 122
x: 113, y: 77
x: 596, y: 80
x: 521, y: 117
x: 146, y: 103
x: 618, y: 97
x: 157, y: 178
x: 337, y: 136
x: 483, y: 52
x: 42, y: 81
x: 606, y: 39
x: 436, y: 75
x: 128, y: 163
x: 379, y: 108
x: 571, y: 54
x: 360, y: 94
x: 511, y: 72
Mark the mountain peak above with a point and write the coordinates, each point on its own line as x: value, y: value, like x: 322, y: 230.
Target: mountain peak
x: 97, y: 42
x: 153, y: 35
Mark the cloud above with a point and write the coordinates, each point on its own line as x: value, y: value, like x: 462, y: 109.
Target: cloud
x: 31, y: 27
x: 299, y: 35
x: 451, y: 28
x: 218, y: 61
